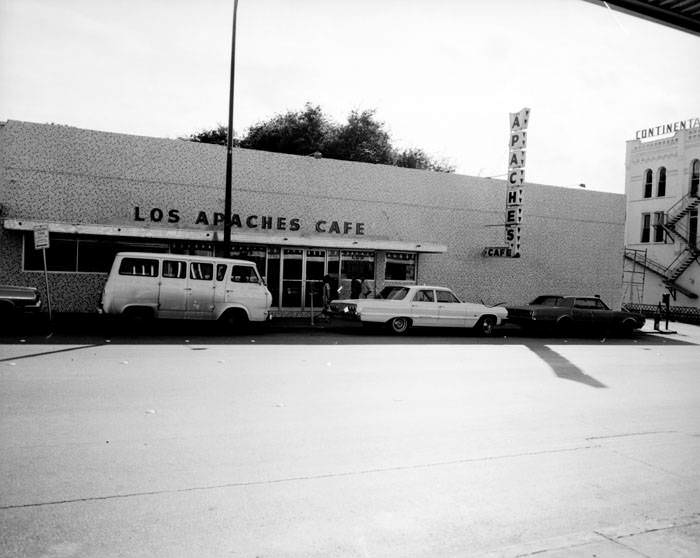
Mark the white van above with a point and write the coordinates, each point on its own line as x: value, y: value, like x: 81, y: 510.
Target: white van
x: 156, y: 285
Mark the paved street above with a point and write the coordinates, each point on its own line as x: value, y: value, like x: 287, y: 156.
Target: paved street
x: 342, y: 443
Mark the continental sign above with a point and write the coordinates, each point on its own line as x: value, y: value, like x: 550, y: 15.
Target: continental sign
x: 669, y: 128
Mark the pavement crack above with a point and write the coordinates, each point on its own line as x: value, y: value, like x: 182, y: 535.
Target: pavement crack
x: 632, y: 434
x: 650, y: 465
x: 301, y: 478
x: 617, y: 542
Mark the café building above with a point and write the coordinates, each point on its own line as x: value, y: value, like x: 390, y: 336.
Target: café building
x: 298, y: 218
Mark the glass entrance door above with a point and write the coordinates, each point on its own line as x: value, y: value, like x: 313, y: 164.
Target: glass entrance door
x: 315, y: 269
x: 292, y: 277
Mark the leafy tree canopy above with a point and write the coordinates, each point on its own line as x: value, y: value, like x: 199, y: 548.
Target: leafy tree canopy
x: 308, y: 131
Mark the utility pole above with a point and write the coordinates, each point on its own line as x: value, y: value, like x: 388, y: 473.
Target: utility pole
x: 229, y: 142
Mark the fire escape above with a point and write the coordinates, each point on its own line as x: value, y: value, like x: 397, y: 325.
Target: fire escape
x: 677, y: 226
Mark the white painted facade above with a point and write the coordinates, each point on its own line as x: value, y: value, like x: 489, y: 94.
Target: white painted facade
x: 661, y: 228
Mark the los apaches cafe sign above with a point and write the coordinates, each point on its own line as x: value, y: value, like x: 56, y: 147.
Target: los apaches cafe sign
x: 259, y: 222
x: 517, y: 149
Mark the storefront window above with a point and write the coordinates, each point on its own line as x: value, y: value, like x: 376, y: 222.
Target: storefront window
x: 70, y: 253
x: 251, y: 253
x: 400, y: 266
x: 357, y: 263
x: 61, y: 255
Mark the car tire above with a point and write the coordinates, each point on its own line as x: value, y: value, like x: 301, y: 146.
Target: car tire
x: 485, y: 326
x: 628, y: 326
x: 400, y: 325
x: 234, y: 320
x: 565, y: 327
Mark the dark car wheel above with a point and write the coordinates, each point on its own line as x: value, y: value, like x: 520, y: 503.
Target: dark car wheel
x: 399, y: 325
x: 565, y: 327
x: 485, y: 326
x: 628, y: 326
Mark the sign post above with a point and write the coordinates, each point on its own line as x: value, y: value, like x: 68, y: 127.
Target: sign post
x: 41, y: 242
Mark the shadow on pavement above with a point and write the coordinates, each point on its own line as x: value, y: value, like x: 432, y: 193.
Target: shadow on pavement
x: 88, y: 329
x: 562, y: 366
x: 81, y: 347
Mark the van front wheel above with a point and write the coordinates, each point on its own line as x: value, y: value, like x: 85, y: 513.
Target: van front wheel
x: 235, y: 320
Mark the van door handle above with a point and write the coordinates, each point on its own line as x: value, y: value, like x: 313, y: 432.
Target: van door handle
x: 188, y: 289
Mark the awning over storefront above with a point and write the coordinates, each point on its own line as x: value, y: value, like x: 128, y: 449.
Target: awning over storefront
x: 242, y: 237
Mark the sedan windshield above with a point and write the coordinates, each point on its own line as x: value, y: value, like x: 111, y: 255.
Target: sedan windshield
x: 393, y: 293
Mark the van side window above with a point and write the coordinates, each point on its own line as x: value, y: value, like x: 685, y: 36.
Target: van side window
x: 139, y: 266
x: 202, y: 271
x: 174, y: 269
x: 244, y: 274
x: 220, y: 271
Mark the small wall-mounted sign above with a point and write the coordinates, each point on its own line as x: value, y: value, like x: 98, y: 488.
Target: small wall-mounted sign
x: 41, y: 237
x: 496, y: 252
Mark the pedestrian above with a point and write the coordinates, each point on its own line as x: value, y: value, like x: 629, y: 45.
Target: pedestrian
x: 327, y: 293
x: 365, y: 289
x: 355, y: 288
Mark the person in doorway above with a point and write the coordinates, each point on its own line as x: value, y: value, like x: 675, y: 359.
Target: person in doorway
x: 355, y: 288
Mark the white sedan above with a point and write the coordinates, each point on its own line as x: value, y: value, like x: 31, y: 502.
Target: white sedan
x: 420, y: 305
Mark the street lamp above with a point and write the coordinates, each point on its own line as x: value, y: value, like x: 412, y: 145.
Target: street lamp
x: 229, y: 142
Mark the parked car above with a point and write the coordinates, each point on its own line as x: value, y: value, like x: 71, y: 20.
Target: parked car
x: 401, y: 308
x: 156, y: 285
x: 565, y: 313
x: 17, y: 301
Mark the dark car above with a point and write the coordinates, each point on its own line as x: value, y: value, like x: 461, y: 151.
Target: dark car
x: 17, y: 301
x: 567, y: 313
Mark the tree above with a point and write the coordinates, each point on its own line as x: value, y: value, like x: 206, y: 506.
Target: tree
x: 414, y: 158
x: 362, y: 138
x: 297, y: 133
x: 217, y: 136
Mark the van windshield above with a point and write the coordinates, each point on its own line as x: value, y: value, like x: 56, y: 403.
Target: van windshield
x: 244, y: 274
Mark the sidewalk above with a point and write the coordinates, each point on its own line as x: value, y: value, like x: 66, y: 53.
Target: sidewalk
x: 677, y: 538
x: 679, y: 331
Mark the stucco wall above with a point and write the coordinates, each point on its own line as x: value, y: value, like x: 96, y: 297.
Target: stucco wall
x: 572, y: 239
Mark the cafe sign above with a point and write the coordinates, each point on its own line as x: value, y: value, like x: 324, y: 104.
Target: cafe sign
x: 240, y: 221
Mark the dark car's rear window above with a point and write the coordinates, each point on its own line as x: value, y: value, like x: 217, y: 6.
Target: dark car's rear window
x: 547, y: 300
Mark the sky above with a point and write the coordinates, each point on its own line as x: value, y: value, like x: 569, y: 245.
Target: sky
x: 442, y: 75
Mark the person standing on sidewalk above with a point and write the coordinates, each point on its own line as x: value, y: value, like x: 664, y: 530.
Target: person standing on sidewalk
x: 327, y: 293
x: 355, y: 288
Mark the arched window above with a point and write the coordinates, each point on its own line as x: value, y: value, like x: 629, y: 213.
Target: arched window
x: 661, y: 182
x: 694, y: 177
x: 647, y: 183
